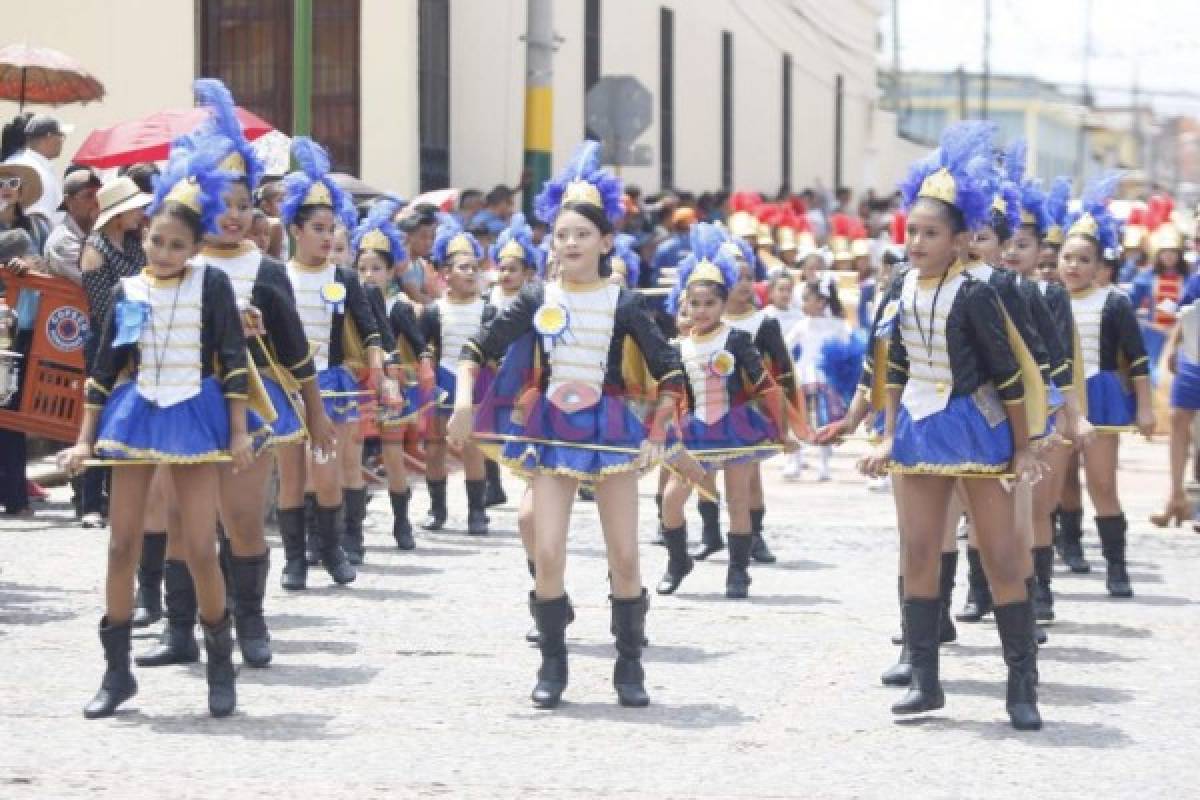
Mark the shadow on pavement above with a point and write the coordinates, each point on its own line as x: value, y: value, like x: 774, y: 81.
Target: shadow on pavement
x: 1092, y: 736
x: 365, y: 593
x: 763, y: 599
x: 1101, y: 596
x: 655, y: 653
x: 1113, y: 629
x: 283, y: 727
x: 286, y: 622
x: 306, y: 647
x: 24, y: 604
x: 309, y: 676
x: 1046, y: 652
x: 685, y: 717
x: 402, y: 570
x: 1049, y: 694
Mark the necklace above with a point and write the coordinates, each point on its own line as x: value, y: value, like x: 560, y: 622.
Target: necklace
x: 160, y: 351
x: 940, y: 386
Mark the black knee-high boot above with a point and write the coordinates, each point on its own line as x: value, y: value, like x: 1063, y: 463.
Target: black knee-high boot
x: 312, y: 539
x: 1015, y: 623
x: 551, y: 617
x: 435, y: 520
x: 1112, y: 542
x: 758, y: 548
x: 979, y: 595
x: 333, y: 558
x: 218, y: 647
x: 177, y: 642
x: 354, y: 509
x: 250, y: 586
x: 711, y: 540
x: 531, y: 635
x: 737, y: 576
x: 1070, y: 537
x: 946, y: 630
x: 291, y: 532
x: 629, y: 628
x: 900, y: 673
x: 1043, y: 569
x: 922, y: 619
x: 118, y: 683
x: 225, y: 559
x: 477, y: 518
x: 401, y: 527
x: 494, y: 495
x: 147, y: 606
x: 679, y: 563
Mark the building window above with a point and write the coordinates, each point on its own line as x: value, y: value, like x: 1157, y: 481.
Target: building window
x: 786, y: 157
x: 666, y: 97
x: 591, y: 53
x: 726, y: 110
x: 248, y: 45
x: 433, y: 80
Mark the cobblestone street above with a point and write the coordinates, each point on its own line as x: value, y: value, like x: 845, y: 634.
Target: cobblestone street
x: 414, y: 681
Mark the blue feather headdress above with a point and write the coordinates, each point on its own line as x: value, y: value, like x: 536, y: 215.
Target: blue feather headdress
x: 583, y: 181
x: 1094, y: 219
x: 241, y: 160
x: 452, y: 239
x: 960, y: 173
x: 516, y: 241
x: 310, y: 185
x: 192, y: 179
x: 710, y: 260
x: 623, y: 250
x: 1031, y: 196
x: 378, y: 232
x: 1058, y: 204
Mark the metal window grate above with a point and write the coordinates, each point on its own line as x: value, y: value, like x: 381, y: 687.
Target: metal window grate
x: 666, y: 98
x: 433, y: 80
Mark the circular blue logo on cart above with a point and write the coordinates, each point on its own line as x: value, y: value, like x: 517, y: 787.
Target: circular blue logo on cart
x: 66, y: 328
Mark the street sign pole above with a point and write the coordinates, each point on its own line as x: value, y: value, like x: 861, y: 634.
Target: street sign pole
x: 539, y: 99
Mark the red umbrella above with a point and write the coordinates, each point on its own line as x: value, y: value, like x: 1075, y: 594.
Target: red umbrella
x: 45, y: 76
x: 149, y: 138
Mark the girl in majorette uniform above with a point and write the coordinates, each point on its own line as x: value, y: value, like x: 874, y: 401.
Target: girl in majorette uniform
x: 781, y: 305
x: 768, y: 339
x: 1116, y: 368
x: 176, y: 328
x: 275, y: 338
x: 1183, y: 359
x: 956, y: 408
x: 824, y: 354
x: 584, y: 347
x: 721, y: 428
x: 344, y: 335
x: 407, y: 388
x: 447, y: 324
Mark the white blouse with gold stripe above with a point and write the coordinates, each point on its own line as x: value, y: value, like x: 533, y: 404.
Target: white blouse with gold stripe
x: 315, y: 313
x: 923, y: 331
x: 459, y: 322
x: 578, y: 359
x: 169, y: 348
x: 708, y: 391
x: 1088, y: 310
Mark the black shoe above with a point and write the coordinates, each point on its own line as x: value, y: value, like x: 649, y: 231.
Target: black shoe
x: 291, y: 532
x: 435, y: 520
x: 1043, y: 570
x: 250, y: 585
x: 587, y: 493
x: 758, y: 548
x: 494, y: 494
x: 1014, y: 622
x: 737, y: 576
x: 177, y: 642
x: 333, y: 558
x: 710, y: 534
x: 218, y: 646
x: 629, y: 627
x: 551, y: 617
x: 1112, y: 543
x: 477, y: 518
x: 312, y: 540
x: 354, y: 510
x: 979, y: 595
x: 401, y: 527
x: 679, y: 563
x: 118, y: 683
x: 147, y: 606
x: 946, y: 631
x: 1070, y: 536
x: 922, y: 617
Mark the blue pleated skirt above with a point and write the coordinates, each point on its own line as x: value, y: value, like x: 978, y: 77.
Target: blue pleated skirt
x: 190, y: 432
x: 447, y: 382
x: 339, y: 393
x: 1185, y: 389
x: 559, y: 439
x: 743, y: 427
x: 287, y: 428
x: 1110, y: 407
x: 956, y: 441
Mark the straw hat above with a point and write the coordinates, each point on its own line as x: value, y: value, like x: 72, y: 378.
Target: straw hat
x: 117, y: 197
x: 31, y: 182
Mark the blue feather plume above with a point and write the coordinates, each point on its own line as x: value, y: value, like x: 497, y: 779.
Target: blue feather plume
x: 313, y: 163
x: 380, y: 218
x: 583, y: 166
x: 1058, y: 203
x: 196, y: 159
x: 707, y: 242
x: 624, y: 250
x: 449, y: 228
x: 965, y: 151
x: 842, y: 361
x: 1095, y: 202
x: 518, y: 230
x: 224, y: 121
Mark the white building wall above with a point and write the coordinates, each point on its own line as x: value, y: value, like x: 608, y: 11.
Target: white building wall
x: 390, y: 147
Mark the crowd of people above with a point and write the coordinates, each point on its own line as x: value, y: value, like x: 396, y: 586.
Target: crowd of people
x: 993, y: 335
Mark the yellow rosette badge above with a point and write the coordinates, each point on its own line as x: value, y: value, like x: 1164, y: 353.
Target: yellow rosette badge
x: 722, y: 363
x: 551, y: 322
x: 334, y: 295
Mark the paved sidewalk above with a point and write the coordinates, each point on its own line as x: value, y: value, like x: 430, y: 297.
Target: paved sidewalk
x: 414, y: 681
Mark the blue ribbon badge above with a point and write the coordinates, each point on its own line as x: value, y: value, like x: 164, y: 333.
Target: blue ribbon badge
x: 334, y: 295
x: 131, y: 317
x: 551, y: 322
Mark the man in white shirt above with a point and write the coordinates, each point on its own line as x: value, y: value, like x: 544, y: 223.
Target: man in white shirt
x: 44, y: 137
x: 65, y: 243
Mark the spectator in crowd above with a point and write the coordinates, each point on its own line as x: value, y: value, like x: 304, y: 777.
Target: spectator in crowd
x: 499, y: 205
x: 419, y: 281
x: 21, y: 189
x: 16, y: 256
x: 64, y: 247
x: 470, y: 203
x: 260, y: 230
x: 677, y: 246
x: 35, y: 140
x: 270, y: 195
x: 143, y: 174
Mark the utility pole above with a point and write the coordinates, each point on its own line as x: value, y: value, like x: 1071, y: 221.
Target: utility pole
x: 539, y: 98
x: 987, y: 55
x: 1086, y: 99
x: 302, y: 68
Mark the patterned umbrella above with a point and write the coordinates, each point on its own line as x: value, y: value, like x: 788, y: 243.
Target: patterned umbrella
x: 44, y: 76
